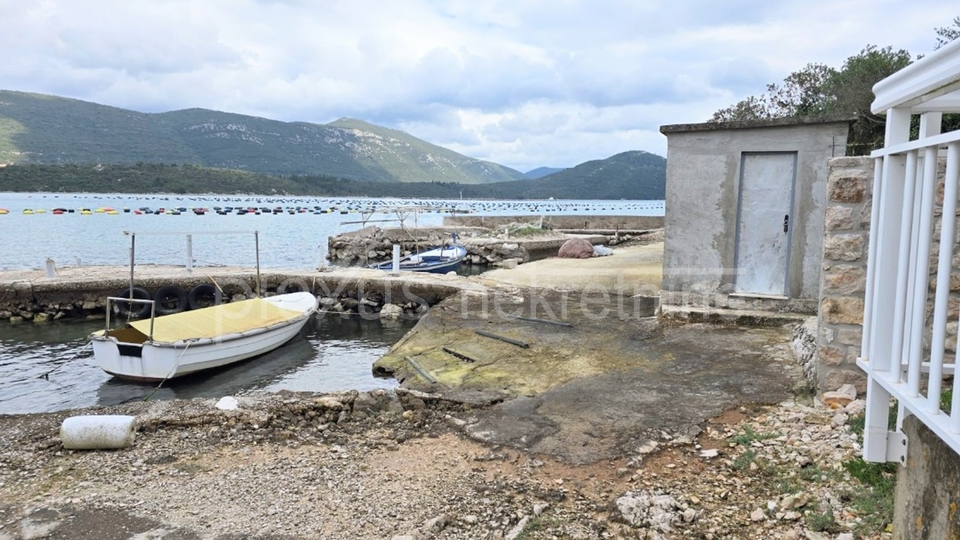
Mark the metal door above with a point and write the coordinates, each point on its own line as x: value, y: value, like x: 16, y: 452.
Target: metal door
x: 764, y: 221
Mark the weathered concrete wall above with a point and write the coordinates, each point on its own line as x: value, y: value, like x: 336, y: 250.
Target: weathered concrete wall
x: 561, y: 222
x: 928, y: 488
x: 703, y: 175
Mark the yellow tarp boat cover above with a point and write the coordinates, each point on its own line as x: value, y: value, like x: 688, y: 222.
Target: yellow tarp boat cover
x: 215, y: 321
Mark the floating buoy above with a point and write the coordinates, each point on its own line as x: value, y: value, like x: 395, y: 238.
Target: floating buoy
x: 98, y: 432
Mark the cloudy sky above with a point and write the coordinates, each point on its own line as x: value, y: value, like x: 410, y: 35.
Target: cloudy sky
x: 524, y: 83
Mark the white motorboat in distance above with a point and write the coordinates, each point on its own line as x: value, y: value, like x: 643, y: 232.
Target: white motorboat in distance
x: 169, y: 346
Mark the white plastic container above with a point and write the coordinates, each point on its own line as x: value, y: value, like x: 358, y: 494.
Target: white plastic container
x: 101, y: 432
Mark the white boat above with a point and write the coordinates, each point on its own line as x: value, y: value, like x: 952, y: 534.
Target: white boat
x: 435, y: 261
x: 170, y: 346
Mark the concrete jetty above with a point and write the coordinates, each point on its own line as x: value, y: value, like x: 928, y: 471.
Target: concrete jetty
x: 80, y: 292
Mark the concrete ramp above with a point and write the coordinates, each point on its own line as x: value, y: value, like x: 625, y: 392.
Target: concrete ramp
x: 600, y: 382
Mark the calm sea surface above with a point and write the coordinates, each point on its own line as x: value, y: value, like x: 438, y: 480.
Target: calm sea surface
x: 332, y: 353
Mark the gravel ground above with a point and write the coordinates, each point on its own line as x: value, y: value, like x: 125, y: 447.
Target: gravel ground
x: 396, y: 465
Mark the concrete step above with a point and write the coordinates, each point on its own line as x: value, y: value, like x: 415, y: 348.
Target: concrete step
x: 743, y: 317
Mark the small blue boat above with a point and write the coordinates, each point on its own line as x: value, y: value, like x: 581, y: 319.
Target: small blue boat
x: 436, y: 261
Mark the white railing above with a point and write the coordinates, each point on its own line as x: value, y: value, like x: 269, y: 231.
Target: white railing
x: 905, y: 324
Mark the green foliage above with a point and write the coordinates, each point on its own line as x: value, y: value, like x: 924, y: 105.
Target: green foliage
x: 811, y: 473
x: 874, y: 502
x: 802, y: 93
x: 878, y: 475
x: 789, y: 486
x: 539, y: 523
x: 743, y: 461
x: 852, y: 88
x: 522, y: 230
x: 946, y: 34
x: 818, y: 90
x: 749, y: 436
x: 822, y: 519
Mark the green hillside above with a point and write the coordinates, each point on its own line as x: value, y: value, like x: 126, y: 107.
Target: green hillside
x: 630, y: 175
x: 40, y: 129
x: 36, y: 128
x: 410, y: 157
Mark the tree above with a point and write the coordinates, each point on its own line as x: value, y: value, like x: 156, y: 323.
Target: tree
x: 946, y: 34
x: 819, y: 90
x: 752, y: 108
x: 852, y: 88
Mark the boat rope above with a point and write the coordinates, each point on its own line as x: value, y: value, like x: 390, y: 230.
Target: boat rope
x: 215, y: 284
x: 170, y: 373
x: 65, y: 362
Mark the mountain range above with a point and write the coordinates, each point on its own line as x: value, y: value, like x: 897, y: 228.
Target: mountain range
x: 39, y: 131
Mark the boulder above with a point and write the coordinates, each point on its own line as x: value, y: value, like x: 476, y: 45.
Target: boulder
x: 391, y: 311
x: 839, y: 398
x: 576, y: 248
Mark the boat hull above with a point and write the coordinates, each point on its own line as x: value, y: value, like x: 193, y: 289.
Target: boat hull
x: 157, y: 361
x: 434, y: 261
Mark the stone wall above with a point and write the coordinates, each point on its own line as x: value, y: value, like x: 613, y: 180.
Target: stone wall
x: 843, y: 271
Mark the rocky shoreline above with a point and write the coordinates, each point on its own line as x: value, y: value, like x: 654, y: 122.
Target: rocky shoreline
x: 398, y: 464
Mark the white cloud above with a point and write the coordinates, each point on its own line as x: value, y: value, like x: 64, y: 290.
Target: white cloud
x: 537, y: 82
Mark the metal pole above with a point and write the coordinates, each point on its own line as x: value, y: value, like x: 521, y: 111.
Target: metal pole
x: 133, y: 251
x: 395, y: 267
x: 256, y: 240
x: 189, y: 253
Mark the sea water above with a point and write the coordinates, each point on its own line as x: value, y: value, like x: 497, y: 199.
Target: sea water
x: 51, y: 367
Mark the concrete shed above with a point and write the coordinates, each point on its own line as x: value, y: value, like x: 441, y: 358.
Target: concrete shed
x: 744, y: 214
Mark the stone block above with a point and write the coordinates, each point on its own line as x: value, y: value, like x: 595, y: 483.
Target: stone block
x: 843, y: 247
x: 954, y: 280
x: 847, y: 186
x: 837, y: 377
x: 865, y: 211
x: 839, y: 398
x: 831, y: 356
x: 844, y: 280
x: 827, y: 334
x: 842, y: 310
x: 838, y: 218
x: 860, y: 163
x: 850, y: 335
x: 953, y: 308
